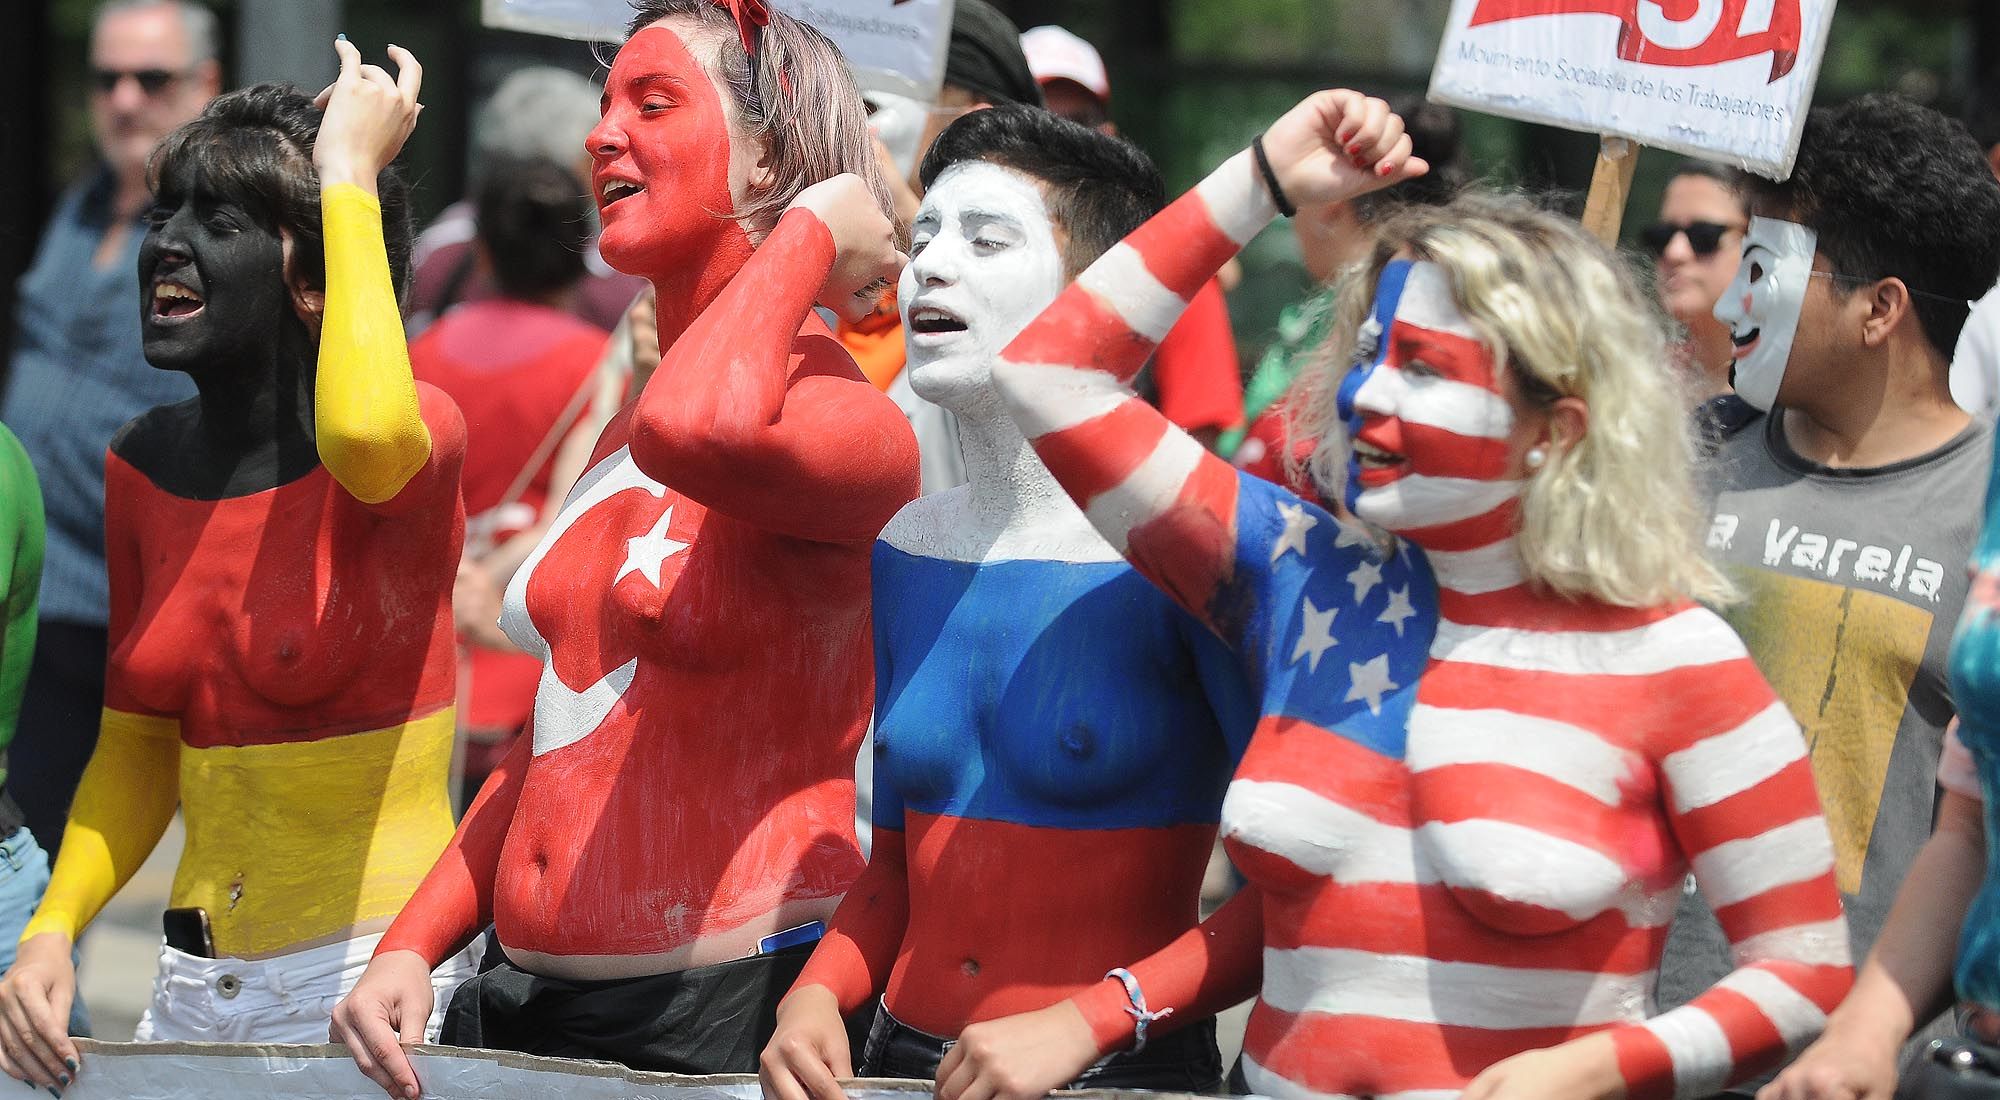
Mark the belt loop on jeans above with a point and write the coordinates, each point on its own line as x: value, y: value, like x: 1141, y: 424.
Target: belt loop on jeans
x: 10, y: 849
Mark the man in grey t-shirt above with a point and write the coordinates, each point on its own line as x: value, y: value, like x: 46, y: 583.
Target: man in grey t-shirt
x: 1848, y: 511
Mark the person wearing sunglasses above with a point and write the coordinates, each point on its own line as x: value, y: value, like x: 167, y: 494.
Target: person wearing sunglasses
x: 77, y: 374
x: 1695, y: 244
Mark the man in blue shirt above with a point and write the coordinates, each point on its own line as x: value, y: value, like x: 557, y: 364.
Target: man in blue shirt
x: 78, y: 373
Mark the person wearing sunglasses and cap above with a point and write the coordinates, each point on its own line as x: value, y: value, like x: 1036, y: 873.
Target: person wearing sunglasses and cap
x: 1695, y: 245
x: 77, y: 375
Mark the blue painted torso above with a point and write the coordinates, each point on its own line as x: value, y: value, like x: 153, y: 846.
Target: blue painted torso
x: 1068, y: 695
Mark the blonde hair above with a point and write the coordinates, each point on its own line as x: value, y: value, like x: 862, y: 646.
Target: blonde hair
x: 798, y: 98
x: 1613, y: 516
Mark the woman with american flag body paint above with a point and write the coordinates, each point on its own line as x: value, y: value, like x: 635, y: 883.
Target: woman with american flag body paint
x: 1467, y: 859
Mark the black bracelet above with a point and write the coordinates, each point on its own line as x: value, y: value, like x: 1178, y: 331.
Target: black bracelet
x: 1285, y: 206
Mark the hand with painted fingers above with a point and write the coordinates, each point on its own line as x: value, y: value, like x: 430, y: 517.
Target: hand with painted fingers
x: 35, y: 1000
x: 808, y: 1051
x: 386, y: 1012
x: 1338, y: 144
x: 866, y: 261
x: 369, y: 114
x: 1581, y: 1069
x: 1839, y: 1066
x: 1018, y: 1057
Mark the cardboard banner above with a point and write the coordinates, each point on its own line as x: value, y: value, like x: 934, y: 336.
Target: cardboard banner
x: 1728, y: 80
x: 229, y: 1071
x: 893, y: 45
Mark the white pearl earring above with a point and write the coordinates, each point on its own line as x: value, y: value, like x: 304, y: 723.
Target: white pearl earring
x: 1535, y: 457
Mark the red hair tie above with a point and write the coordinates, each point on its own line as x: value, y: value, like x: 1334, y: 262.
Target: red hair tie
x: 751, y: 16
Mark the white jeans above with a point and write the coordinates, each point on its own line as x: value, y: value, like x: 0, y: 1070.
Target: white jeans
x: 286, y: 999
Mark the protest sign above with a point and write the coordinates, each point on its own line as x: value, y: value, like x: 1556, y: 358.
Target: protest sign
x: 1729, y: 80
x: 893, y: 45
x: 226, y: 1071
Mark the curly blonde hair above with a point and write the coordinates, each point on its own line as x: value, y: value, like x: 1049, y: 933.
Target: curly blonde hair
x: 1611, y: 517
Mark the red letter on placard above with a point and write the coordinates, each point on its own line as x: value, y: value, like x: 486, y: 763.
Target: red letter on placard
x: 1681, y: 33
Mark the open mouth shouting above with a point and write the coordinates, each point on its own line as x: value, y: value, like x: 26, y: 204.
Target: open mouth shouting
x: 1375, y: 466
x: 173, y: 301
x: 935, y: 322
x: 610, y: 191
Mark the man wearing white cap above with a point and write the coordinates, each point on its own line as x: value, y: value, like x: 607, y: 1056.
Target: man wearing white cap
x: 1194, y: 379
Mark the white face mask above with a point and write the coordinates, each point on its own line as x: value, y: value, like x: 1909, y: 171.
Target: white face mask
x: 983, y: 264
x: 899, y: 121
x: 1761, y: 306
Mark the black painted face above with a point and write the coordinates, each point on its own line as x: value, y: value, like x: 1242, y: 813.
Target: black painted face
x: 211, y: 282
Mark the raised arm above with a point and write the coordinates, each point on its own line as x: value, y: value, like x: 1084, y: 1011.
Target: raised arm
x: 1151, y: 489
x: 370, y: 431
x: 752, y: 419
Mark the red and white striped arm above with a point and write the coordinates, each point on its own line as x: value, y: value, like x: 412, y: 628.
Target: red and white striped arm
x: 1153, y: 491
x: 1740, y: 794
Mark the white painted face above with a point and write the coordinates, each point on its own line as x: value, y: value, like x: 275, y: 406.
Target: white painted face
x: 983, y: 263
x: 1761, y: 306
x: 898, y: 121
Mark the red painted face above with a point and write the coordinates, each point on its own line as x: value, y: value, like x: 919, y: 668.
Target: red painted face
x: 661, y: 158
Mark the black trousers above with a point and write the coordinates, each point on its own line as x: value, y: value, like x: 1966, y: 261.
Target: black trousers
x: 57, y: 732
x: 1183, y: 1060
x: 711, y: 1019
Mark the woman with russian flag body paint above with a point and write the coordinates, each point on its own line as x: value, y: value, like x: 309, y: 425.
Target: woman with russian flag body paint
x: 658, y: 853
x: 1467, y: 858
x: 1045, y: 804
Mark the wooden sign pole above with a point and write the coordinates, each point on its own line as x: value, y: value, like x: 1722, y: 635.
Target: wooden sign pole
x: 1610, y: 184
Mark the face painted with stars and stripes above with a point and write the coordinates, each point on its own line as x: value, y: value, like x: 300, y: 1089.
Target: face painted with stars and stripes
x: 1426, y: 414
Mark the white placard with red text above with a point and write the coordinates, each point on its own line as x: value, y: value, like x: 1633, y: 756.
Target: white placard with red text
x: 1729, y: 80
x: 893, y: 45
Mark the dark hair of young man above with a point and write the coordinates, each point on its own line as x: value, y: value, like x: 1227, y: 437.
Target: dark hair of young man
x: 1894, y: 189
x: 253, y: 147
x: 534, y: 223
x: 1099, y: 188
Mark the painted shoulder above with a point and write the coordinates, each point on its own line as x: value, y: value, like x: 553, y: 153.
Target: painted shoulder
x: 151, y: 441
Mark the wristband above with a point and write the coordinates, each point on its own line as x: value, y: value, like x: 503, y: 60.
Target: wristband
x: 1285, y: 206
x: 1141, y: 1018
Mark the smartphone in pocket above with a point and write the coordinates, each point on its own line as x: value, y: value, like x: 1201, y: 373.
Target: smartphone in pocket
x: 188, y: 932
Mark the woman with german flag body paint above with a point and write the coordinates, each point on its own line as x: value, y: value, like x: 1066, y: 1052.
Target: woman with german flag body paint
x: 281, y: 549
x: 1488, y: 760
x: 659, y: 853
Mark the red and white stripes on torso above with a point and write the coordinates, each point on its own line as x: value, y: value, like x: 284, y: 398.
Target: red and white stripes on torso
x: 1506, y: 884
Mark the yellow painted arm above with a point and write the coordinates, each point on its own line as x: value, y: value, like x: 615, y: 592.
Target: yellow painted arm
x: 371, y: 434
x: 122, y: 806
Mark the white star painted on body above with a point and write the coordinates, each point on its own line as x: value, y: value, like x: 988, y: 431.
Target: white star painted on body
x: 1370, y: 682
x: 1398, y: 610
x: 1364, y: 579
x: 1316, y: 637
x: 645, y: 553
x: 1297, y: 523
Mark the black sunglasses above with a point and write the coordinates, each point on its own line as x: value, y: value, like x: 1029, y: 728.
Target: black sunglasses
x: 1703, y: 237
x: 151, y: 81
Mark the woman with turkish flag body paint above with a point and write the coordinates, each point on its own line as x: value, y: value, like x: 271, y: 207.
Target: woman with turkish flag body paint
x: 1491, y: 750
x: 660, y: 851
x: 281, y: 549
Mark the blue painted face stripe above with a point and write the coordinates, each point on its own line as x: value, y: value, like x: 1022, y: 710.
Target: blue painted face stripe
x: 1388, y: 296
